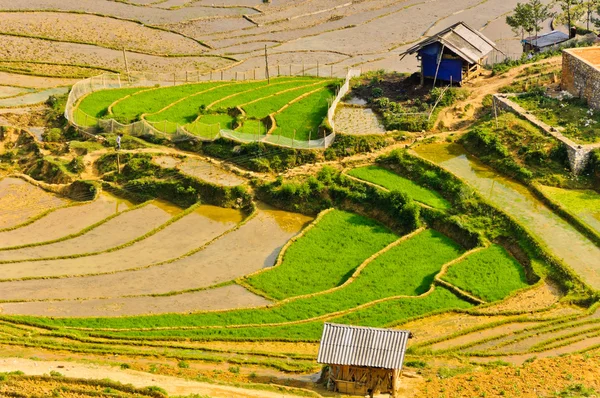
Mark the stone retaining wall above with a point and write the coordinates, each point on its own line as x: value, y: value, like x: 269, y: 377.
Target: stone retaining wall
x: 581, y: 74
x: 579, y: 155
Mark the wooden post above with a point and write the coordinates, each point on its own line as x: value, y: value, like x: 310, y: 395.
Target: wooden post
x: 331, y: 75
x: 278, y: 70
x: 118, y: 164
x: 290, y: 69
x: 186, y: 76
x: 395, y: 383
x: 317, y: 68
x: 174, y: 77
x: 495, y: 110
x: 437, y: 69
x: 302, y: 67
x: 221, y: 75
x: 254, y: 74
x: 309, y: 135
x: 267, y: 66
x: 211, y: 77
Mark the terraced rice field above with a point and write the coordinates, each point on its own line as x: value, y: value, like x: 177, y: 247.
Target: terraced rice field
x: 583, y: 204
x: 393, y: 182
x: 299, y: 105
x: 328, y: 287
x: 21, y: 202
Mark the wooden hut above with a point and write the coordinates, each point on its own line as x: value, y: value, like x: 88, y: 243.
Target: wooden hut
x: 455, y: 54
x: 363, y: 360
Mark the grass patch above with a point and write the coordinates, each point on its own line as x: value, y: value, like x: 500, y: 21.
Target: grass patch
x: 264, y: 91
x: 222, y: 119
x: 188, y: 110
x: 490, y: 274
x: 407, y: 269
x: 303, y: 118
x: 96, y: 104
x: 266, y: 106
x: 580, y: 123
x: 130, y: 109
x: 325, y: 256
x: 394, y: 182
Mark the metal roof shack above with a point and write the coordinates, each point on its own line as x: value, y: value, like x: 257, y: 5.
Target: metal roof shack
x: 454, y: 54
x: 542, y: 43
x: 363, y: 360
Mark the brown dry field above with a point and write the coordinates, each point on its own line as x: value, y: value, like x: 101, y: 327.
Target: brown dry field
x: 221, y: 261
x: 175, y: 240
x: 129, y: 225
x: 330, y: 32
x: 540, y: 378
x: 62, y: 222
x: 21, y: 201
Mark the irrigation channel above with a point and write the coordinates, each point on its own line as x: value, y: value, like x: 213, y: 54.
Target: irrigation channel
x: 566, y: 242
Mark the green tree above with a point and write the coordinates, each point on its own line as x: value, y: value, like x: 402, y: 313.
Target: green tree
x: 521, y: 21
x: 589, y: 7
x: 572, y: 11
x: 539, y: 13
x: 528, y: 17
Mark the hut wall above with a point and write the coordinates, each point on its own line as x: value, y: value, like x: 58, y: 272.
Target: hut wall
x: 359, y: 380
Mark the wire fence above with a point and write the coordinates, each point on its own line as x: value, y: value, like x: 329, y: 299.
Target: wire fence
x: 91, y: 125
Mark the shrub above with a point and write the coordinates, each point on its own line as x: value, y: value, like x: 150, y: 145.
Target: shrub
x: 52, y: 135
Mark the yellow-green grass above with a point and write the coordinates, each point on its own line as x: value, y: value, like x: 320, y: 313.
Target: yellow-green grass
x: 490, y: 274
x: 325, y: 256
x: 251, y: 126
x: 96, y: 104
x: 584, y: 204
x: 301, y: 120
x: 267, y: 106
x: 222, y: 119
x: 382, y: 314
x: 394, y: 182
x: 263, y: 91
x: 187, y: 110
x: 131, y: 109
x: 407, y: 269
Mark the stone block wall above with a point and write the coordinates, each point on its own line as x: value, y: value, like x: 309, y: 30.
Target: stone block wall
x: 580, y: 77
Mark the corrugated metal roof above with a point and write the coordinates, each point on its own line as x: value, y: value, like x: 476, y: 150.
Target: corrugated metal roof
x: 460, y: 38
x: 548, y: 39
x: 362, y: 346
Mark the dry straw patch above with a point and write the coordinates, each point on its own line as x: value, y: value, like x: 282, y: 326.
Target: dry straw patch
x: 106, y: 32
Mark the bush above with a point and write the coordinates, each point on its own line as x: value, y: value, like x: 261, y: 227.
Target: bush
x: 76, y: 165
x: 52, y: 135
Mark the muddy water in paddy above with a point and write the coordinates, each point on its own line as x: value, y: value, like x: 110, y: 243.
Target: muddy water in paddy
x: 20, y: 201
x: 253, y: 246
x: 565, y: 241
x: 201, y: 169
x: 63, y: 222
x: 117, y: 231
x: 178, y: 238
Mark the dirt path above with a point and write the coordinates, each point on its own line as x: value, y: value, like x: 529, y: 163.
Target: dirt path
x: 485, y: 85
x: 173, y: 385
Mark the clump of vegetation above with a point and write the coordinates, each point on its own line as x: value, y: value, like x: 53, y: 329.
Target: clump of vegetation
x: 518, y: 149
x: 578, y: 121
x: 401, y: 103
x: 52, y: 135
x: 394, y: 182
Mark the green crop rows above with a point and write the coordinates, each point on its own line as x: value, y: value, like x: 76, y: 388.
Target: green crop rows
x: 210, y: 103
x: 394, y: 182
x: 407, y: 269
x: 324, y: 257
x: 301, y: 120
x: 490, y: 274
